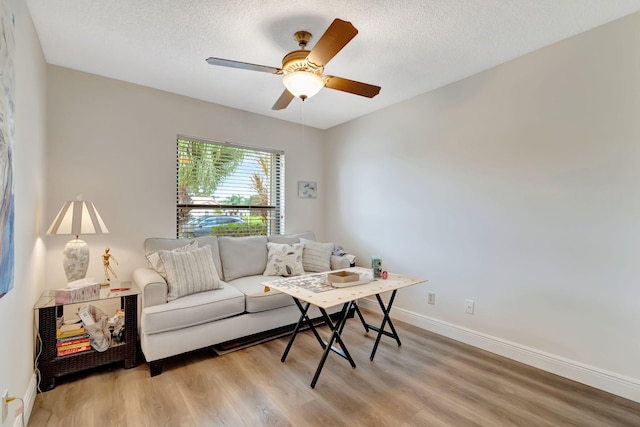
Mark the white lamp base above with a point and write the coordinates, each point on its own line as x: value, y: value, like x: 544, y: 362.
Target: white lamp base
x: 76, y: 259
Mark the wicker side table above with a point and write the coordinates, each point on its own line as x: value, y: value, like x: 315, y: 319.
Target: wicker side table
x: 52, y: 366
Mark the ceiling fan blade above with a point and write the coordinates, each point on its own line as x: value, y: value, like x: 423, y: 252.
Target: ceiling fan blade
x: 332, y: 41
x: 243, y: 65
x: 283, y: 101
x: 351, y: 86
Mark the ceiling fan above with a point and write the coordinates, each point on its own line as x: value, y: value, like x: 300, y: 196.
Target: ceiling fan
x: 302, y: 69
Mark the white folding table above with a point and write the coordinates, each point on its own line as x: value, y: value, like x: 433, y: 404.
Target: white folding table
x: 314, y: 289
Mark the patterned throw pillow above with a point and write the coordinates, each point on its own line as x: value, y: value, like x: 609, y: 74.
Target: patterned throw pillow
x: 156, y: 262
x: 189, y: 272
x: 316, y: 256
x: 284, y: 260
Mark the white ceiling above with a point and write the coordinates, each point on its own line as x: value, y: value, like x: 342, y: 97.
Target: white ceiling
x: 407, y: 47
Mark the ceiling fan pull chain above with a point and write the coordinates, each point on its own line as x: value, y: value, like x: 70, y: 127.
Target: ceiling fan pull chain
x: 302, y: 118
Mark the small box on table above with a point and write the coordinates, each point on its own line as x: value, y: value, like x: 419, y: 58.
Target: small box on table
x: 343, y: 277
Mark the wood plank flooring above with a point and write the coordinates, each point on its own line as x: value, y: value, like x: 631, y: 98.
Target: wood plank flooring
x: 428, y: 381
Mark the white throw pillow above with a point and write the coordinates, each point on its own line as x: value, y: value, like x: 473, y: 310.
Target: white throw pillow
x: 316, y: 256
x: 156, y: 262
x: 189, y: 272
x: 284, y: 260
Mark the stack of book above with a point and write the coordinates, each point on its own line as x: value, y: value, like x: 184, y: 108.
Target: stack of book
x: 72, y: 339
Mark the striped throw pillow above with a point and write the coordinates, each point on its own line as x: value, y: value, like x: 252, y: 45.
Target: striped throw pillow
x: 189, y: 272
x: 156, y: 262
x: 316, y: 257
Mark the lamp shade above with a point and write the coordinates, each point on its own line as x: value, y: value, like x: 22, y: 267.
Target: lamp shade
x: 78, y: 217
x: 303, y: 84
x: 75, y: 218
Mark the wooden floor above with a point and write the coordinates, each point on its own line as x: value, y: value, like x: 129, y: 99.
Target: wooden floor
x: 428, y: 381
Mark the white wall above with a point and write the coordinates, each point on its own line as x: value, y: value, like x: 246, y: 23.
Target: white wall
x: 16, y: 308
x: 115, y: 143
x: 517, y: 188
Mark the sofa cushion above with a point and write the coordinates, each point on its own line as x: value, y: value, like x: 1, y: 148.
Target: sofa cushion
x: 316, y: 256
x: 284, y: 260
x: 192, y: 310
x: 155, y: 244
x: 256, y: 298
x: 291, y: 238
x: 190, y: 272
x: 158, y: 265
x: 243, y: 256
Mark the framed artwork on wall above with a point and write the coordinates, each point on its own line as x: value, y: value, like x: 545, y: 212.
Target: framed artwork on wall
x: 6, y: 149
x: 307, y: 189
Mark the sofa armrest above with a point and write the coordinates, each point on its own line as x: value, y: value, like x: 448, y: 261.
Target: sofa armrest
x: 340, y: 262
x: 152, y: 285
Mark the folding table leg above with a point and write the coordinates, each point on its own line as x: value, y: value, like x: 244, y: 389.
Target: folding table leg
x: 364, y: 323
x: 336, y: 330
x: 339, y: 327
x: 308, y: 321
x: 387, y: 319
x: 305, y: 318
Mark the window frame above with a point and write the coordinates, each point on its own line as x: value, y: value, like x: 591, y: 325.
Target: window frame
x: 273, y: 212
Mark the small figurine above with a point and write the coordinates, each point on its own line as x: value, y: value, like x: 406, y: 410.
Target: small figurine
x: 107, y: 268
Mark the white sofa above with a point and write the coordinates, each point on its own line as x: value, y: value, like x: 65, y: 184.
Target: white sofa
x: 240, y: 309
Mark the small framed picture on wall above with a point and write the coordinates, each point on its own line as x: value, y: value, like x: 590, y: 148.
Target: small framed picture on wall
x: 307, y: 189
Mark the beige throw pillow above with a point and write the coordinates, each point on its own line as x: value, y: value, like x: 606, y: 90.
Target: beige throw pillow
x: 242, y: 256
x: 284, y: 260
x: 316, y: 256
x: 156, y: 262
x: 190, y: 272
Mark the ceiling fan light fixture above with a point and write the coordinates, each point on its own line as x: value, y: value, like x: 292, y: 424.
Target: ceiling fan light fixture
x: 303, y: 84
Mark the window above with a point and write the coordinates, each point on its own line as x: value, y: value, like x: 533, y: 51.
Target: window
x: 225, y: 189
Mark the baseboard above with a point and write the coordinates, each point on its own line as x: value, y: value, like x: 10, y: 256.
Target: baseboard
x: 628, y: 388
x: 29, y: 400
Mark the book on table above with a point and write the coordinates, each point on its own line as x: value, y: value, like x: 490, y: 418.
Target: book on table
x: 73, y: 350
x: 74, y: 340
x: 81, y: 343
x: 74, y: 346
x: 71, y: 339
x: 66, y: 331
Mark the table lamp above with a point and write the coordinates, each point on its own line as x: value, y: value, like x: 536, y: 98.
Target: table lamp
x: 75, y: 218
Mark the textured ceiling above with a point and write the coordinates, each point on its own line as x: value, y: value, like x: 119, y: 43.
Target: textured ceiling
x: 407, y: 47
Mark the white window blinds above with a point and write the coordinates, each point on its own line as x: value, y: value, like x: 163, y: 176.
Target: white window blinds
x: 225, y: 189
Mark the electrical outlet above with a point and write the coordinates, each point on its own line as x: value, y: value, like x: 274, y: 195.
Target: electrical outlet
x: 469, y: 306
x: 5, y: 405
x: 431, y: 297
